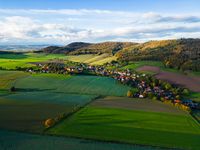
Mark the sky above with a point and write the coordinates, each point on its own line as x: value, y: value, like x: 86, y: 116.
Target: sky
x: 65, y: 21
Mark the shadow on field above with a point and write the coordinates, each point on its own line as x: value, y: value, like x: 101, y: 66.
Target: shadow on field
x: 108, y: 120
x: 32, y: 90
x: 12, y: 55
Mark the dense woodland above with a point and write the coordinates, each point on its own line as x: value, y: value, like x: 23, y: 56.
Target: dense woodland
x: 183, y: 54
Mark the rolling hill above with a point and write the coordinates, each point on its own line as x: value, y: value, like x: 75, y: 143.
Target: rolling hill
x: 182, y: 54
x: 77, y: 48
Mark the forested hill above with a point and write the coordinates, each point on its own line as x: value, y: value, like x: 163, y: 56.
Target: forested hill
x: 65, y: 49
x: 77, y: 48
x: 182, y: 54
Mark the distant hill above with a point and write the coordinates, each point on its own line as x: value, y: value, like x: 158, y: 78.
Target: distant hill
x: 65, y: 49
x: 77, y: 48
x: 105, y: 47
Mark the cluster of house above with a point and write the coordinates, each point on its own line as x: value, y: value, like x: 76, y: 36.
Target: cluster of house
x: 135, y: 80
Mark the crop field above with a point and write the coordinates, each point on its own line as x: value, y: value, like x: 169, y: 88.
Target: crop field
x: 11, y: 61
x: 8, y: 78
x: 27, y: 111
x: 42, y: 96
x: 136, y: 104
x: 23, y: 141
x: 94, y: 85
x: 132, y: 126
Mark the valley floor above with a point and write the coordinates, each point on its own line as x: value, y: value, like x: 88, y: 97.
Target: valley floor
x: 101, y: 116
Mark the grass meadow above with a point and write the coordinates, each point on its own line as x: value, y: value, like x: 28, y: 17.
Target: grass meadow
x: 129, y: 126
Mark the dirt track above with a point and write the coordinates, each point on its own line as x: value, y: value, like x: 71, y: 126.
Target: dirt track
x: 192, y: 83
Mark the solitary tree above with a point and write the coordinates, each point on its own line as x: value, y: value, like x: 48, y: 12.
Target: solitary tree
x: 49, y: 122
x: 12, y: 89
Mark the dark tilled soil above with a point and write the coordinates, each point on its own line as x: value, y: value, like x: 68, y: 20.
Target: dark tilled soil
x: 190, y: 82
x: 149, y: 68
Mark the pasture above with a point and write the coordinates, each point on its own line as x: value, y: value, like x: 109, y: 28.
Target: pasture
x: 132, y: 126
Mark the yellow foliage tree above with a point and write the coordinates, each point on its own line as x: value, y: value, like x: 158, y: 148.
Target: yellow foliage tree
x: 49, y: 122
x: 129, y: 93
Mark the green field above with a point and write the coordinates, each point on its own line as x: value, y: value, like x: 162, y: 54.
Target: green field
x: 43, y: 96
x: 94, y: 85
x: 132, y: 126
x: 27, y: 111
x: 11, y: 61
x: 8, y: 78
x: 21, y: 141
x: 39, y: 103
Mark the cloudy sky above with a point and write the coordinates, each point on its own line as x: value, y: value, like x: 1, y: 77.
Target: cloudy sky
x: 65, y: 21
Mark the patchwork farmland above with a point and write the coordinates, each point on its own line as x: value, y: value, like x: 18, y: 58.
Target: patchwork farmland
x: 94, y: 110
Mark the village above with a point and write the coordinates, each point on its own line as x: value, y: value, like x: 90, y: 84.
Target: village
x: 143, y: 85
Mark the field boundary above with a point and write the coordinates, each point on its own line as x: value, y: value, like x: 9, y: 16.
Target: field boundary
x: 67, y: 116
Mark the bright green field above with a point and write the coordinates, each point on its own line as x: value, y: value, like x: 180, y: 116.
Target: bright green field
x: 11, y: 61
x: 94, y: 85
x: 131, y: 126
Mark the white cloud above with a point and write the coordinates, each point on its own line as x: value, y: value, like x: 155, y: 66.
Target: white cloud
x: 64, y: 26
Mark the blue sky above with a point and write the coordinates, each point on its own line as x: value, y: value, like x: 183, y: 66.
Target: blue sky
x: 125, y: 5
x: 65, y: 21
